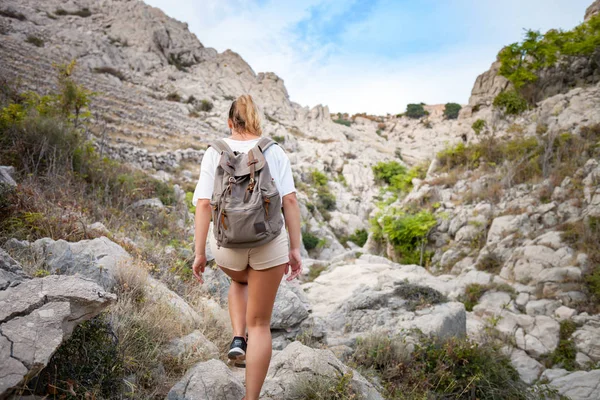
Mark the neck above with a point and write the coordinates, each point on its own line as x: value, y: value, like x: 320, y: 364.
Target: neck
x: 242, y: 135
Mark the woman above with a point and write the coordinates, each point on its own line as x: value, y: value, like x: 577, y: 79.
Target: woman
x: 255, y: 272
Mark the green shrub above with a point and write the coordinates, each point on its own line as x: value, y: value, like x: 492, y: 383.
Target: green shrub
x: 457, y: 368
x: 110, y: 71
x: 415, y: 111
x: 478, y: 126
x: 407, y: 232
x: 384, y: 171
x: 397, y: 176
x: 359, y: 237
x: 279, y: 139
x: 522, y: 62
x: 173, y: 96
x: 34, y: 40
x: 318, y: 178
x: 309, y: 240
x: 473, y: 293
x: 341, y: 121
x: 451, y: 110
x: 206, y: 105
x: 326, y: 199
x: 511, y: 102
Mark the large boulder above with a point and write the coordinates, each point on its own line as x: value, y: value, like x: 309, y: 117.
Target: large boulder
x: 290, y: 308
x: 97, y: 259
x: 36, y: 316
x: 11, y: 273
x: 579, y: 385
x: 210, y: 380
x: 298, y: 362
x: 354, y: 299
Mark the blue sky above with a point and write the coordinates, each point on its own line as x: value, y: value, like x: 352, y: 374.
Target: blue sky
x: 371, y: 56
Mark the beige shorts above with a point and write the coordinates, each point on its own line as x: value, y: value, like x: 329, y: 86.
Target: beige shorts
x: 269, y: 255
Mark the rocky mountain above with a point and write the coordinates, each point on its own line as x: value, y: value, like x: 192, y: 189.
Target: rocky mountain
x: 512, y: 201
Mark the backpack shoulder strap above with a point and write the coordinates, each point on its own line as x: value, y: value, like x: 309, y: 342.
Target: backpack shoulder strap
x: 264, y: 143
x: 221, y: 146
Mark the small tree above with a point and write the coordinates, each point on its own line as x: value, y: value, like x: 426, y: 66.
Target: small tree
x: 415, y: 111
x: 451, y: 111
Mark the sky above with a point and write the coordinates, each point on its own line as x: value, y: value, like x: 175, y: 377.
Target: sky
x: 371, y: 56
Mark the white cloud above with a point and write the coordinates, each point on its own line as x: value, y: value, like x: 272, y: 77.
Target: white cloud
x: 352, y: 80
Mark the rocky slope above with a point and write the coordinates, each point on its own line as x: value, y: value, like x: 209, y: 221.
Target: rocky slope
x: 150, y: 75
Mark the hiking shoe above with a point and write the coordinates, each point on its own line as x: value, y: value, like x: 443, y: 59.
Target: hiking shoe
x: 237, y: 349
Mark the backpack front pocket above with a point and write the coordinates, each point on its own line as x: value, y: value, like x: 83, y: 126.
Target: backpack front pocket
x: 244, y: 225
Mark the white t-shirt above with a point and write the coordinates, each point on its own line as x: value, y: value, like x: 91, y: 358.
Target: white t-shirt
x: 279, y: 166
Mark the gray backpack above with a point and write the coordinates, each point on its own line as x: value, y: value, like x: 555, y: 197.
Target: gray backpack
x: 245, y: 202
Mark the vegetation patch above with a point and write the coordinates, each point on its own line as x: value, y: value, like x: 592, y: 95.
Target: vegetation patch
x: 173, y: 96
x: 397, y: 176
x: 110, y: 71
x: 565, y: 353
x: 344, y: 122
x: 315, y: 270
x: 89, y: 364
x: 415, y: 111
x: 407, y: 232
x: 457, y: 368
x: 491, y: 263
x: 452, y: 110
x: 309, y: 240
x: 34, y: 40
x: 522, y: 62
x: 525, y: 158
x: 478, y: 126
x: 511, y: 102
x: 417, y: 296
x: 321, y: 387
x: 473, y: 293
x: 8, y: 13
x: 584, y: 236
x: 84, y: 12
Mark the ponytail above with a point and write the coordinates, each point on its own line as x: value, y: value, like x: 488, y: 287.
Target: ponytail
x: 243, y: 113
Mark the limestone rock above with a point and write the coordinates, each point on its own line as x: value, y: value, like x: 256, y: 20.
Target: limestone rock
x: 579, y: 385
x: 290, y: 307
x: 297, y: 362
x: 528, y: 368
x: 37, y: 316
x: 587, y: 340
x: 97, y: 259
x: 592, y: 10
x: 210, y: 380
x: 194, y: 344
x: 6, y: 176
x: 11, y: 273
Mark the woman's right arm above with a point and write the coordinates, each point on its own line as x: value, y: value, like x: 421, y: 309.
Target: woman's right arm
x: 201, y: 224
x: 291, y: 212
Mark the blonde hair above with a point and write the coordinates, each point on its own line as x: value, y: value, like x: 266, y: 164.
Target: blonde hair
x: 244, y: 116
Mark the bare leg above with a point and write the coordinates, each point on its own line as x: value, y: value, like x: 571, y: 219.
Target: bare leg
x: 262, y: 289
x: 238, y: 300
